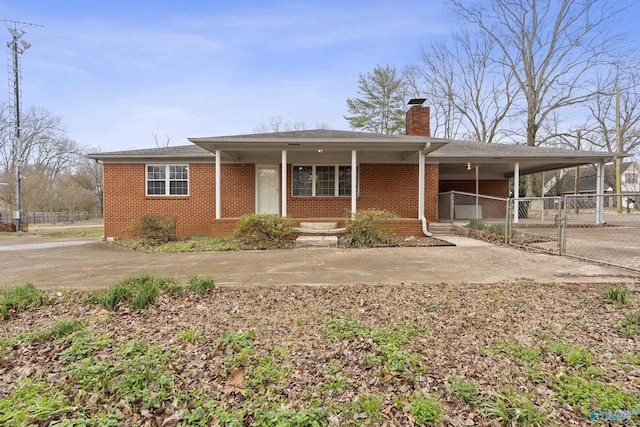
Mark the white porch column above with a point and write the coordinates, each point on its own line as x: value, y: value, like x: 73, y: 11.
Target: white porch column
x: 599, y: 192
x: 218, y: 184
x: 283, y: 185
x: 516, y: 192
x: 354, y: 181
x: 420, y: 184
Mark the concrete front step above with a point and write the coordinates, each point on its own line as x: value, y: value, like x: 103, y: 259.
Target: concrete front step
x: 316, y: 241
x: 441, y: 229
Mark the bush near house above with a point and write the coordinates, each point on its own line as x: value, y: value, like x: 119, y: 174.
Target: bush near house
x: 156, y: 228
x: 367, y: 228
x: 265, y: 231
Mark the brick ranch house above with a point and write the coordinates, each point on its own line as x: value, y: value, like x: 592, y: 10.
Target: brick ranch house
x: 313, y: 175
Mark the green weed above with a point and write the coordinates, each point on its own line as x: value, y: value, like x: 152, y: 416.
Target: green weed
x: 60, y: 329
x: 516, y: 409
x: 576, y: 356
x: 190, y: 335
x: 616, y: 295
x: 31, y: 402
x: 426, y: 410
x: 333, y: 367
x: 526, y: 354
x: 13, y: 300
x: 465, y: 390
x: 283, y: 417
x: 84, y: 343
x: 201, y: 286
x: 138, y: 292
x: 630, y: 326
x: 592, y: 394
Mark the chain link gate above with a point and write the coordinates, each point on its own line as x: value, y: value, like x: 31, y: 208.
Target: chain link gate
x: 586, y: 226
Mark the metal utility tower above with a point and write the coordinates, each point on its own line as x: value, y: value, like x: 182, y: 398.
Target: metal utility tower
x: 16, y: 30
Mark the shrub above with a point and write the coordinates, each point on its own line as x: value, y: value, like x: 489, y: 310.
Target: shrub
x: 478, y: 224
x: 367, y: 230
x: 265, y: 231
x: 156, y: 228
x: 18, y: 298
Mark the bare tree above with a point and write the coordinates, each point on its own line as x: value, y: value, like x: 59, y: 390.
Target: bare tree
x: 602, y: 110
x: 160, y: 141
x: 278, y: 124
x: 471, y: 91
x: 550, y: 47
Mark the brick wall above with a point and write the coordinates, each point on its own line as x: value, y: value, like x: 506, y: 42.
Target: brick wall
x: 417, y: 121
x: 393, y: 187
x: 389, y: 186
x: 487, y: 187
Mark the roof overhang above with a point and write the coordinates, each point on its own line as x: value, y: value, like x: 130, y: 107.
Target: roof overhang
x: 369, y: 148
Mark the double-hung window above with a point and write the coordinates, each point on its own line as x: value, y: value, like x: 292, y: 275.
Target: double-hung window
x: 167, y: 180
x: 321, y: 180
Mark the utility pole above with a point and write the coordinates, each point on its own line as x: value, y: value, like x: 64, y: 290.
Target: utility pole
x: 16, y: 30
x: 576, y: 185
x: 619, y: 150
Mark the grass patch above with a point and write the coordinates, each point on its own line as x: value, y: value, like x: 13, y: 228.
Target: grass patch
x: 32, y: 401
x: 84, y: 232
x: 630, y: 326
x: 617, y: 295
x: 13, y: 300
x: 516, y: 409
x: 526, y: 354
x: 576, y: 356
x: 592, y: 395
x: 60, y: 329
x: 465, y: 390
x: 138, y: 292
x: 201, y: 286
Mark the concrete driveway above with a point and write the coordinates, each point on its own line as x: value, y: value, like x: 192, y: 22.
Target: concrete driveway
x: 52, y: 263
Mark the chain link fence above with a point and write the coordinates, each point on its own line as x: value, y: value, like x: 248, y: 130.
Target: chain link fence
x: 50, y: 217
x: 459, y: 206
x: 587, y: 226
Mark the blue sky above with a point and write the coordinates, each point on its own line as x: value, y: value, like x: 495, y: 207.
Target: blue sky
x: 118, y: 70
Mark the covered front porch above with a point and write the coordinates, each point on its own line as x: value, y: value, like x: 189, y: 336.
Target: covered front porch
x: 325, y: 176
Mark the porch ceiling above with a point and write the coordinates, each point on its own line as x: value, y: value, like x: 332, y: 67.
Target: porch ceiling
x: 320, y: 146
x: 498, y: 160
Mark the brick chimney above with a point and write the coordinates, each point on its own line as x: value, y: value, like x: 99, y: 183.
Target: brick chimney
x: 418, y: 118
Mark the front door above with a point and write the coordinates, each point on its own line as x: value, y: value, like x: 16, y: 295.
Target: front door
x: 268, y: 196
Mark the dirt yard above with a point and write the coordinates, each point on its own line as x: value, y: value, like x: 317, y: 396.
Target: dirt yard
x: 337, y: 355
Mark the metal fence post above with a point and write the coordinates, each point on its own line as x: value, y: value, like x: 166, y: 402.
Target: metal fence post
x: 507, y: 229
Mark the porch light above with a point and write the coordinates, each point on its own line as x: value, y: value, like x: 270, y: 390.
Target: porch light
x: 468, y: 166
x: 321, y: 151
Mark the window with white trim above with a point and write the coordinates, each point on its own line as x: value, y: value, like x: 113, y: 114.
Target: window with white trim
x: 167, y: 180
x: 631, y: 178
x: 321, y: 180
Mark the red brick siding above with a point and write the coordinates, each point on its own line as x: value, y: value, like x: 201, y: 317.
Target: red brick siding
x: 393, y: 187
x: 417, y: 121
x: 125, y: 200
x: 387, y: 186
x: 237, y: 195
x: 488, y: 187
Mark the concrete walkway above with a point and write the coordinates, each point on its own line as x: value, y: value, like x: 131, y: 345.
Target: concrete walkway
x: 90, y: 264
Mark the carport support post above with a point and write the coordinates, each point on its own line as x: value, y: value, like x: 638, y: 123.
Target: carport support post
x: 420, y: 184
x: 283, y: 186
x: 516, y: 192
x: 218, y: 184
x: 599, y: 192
x: 354, y: 182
